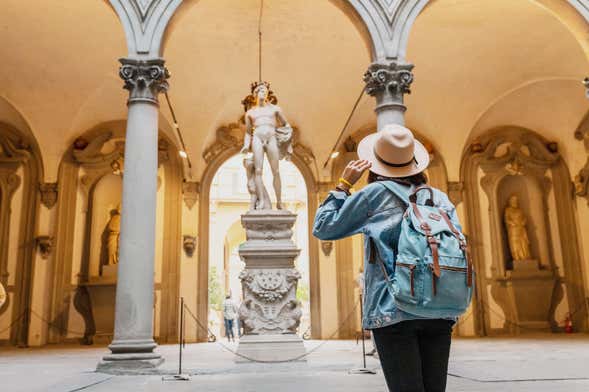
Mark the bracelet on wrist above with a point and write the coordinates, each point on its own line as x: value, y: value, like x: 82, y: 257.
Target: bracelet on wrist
x: 346, y: 182
x: 342, y: 189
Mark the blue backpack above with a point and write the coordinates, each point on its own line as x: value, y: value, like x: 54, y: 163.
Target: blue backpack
x: 433, y: 272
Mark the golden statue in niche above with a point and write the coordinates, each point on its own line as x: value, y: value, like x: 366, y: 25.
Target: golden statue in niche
x: 113, y: 229
x: 516, y: 221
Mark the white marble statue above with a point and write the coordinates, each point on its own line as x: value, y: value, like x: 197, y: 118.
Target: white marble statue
x: 113, y: 228
x: 267, y: 133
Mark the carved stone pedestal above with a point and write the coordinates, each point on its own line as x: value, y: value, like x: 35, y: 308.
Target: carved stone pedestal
x: 270, y: 312
x: 528, y: 296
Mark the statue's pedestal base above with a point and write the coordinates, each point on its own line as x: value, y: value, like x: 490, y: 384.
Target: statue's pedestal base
x: 270, y: 312
x: 529, y: 293
x: 271, y: 348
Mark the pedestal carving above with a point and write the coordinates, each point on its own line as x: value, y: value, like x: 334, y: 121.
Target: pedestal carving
x: 270, y: 312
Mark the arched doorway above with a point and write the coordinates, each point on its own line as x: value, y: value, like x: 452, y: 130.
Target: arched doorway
x: 227, y: 144
x: 228, y: 200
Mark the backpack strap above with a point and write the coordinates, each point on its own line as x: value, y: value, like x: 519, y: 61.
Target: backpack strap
x: 411, y: 200
x: 397, y: 189
x: 429, y: 202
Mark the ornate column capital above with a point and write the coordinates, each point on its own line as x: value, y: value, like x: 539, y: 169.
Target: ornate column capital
x: 145, y: 79
x: 388, y: 83
x: 393, y: 77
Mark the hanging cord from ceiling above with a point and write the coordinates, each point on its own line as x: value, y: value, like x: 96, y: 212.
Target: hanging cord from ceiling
x: 334, y: 153
x: 260, y: 40
x: 182, y: 152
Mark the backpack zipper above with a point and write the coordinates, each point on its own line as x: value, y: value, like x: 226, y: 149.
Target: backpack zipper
x: 411, y: 275
x: 458, y: 269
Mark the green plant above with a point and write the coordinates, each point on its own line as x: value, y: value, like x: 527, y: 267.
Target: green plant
x: 303, y: 292
x: 215, y: 290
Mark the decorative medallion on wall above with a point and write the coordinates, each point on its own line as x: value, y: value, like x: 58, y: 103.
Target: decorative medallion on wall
x: 581, y: 182
x: 48, y: 194
x: 45, y: 245
x: 190, y: 190
x: 327, y: 247
x: 189, y: 244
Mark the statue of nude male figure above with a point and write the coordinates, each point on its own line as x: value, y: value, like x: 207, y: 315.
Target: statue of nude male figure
x: 265, y: 136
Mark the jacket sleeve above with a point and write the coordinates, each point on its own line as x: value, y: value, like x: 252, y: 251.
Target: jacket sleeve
x: 341, y: 216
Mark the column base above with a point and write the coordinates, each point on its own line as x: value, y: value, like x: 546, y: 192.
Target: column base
x: 130, y: 364
x: 131, y: 357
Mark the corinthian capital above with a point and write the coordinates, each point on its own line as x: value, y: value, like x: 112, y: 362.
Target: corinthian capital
x: 144, y: 79
x: 392, y: 77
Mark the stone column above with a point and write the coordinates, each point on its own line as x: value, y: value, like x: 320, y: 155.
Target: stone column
x: 388, y: 82
x: 133, y: 345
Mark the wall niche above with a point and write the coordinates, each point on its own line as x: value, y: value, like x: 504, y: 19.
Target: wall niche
x: 527, y: 255
x: 89, y: 223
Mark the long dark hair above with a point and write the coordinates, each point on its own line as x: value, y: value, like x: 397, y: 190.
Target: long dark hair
x: 416, y: 179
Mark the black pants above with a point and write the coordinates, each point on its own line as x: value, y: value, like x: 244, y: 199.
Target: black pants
x: 414, y: 354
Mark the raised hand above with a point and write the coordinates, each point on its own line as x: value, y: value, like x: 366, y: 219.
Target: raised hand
x: 353, y: 172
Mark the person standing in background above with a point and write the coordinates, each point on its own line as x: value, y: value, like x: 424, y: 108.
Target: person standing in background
x: 229, y: 314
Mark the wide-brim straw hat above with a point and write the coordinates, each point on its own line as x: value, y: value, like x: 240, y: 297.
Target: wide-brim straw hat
x: 394, y: 152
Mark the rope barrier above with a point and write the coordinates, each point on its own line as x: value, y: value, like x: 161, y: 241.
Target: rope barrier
x: 47, y: 322
x: 297, y: 358
x: 306, y: 336
x: 62, y: 330
x: 211, y: 337
x: 16, y: 320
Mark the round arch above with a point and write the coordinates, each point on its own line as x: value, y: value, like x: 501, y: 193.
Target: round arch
x: 19, y: 151
x: 203, y: 230
x: 355, y: 12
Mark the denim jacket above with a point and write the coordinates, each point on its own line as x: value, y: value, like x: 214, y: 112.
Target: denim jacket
x: 375, y: 212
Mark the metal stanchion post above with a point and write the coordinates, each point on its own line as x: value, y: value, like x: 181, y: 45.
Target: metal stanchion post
x: 181, y: 343
x: 364, y: 369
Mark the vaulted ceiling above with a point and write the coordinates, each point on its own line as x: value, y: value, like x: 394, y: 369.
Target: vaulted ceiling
x: 477, y: 65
